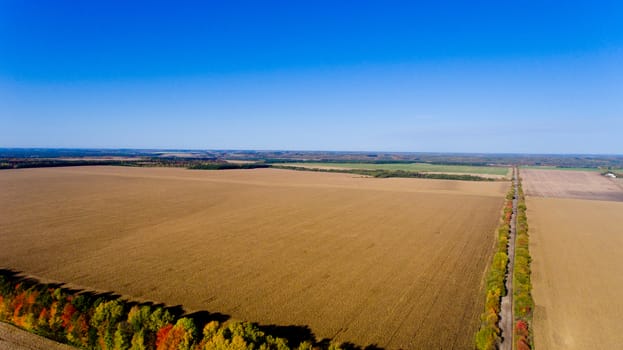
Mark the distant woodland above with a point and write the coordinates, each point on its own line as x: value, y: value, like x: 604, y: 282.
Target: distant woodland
x: 16, y: 158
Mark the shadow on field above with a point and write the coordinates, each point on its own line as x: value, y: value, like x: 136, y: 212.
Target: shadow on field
x: 325, y: 344
x: 203, y: 317
x: 294, y: 334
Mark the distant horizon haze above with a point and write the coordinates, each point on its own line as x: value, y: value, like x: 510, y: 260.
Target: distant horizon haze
x: 191, y: 150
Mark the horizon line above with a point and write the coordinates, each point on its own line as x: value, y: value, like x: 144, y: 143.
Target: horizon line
x: 306, y: 151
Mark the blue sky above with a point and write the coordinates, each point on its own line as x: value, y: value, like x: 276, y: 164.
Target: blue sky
x: 442, y: 76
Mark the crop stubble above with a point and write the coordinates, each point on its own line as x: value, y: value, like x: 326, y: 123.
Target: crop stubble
x: 577, y: 272
x: 13, y: 338
x: 394, y: 262
x: 571, y: 184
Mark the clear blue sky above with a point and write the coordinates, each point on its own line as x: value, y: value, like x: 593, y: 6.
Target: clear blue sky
x: 449, y: 76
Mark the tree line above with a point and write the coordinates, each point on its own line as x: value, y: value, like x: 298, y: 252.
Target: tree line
x: 383, y: 173
x: 226, y: 166
x: 523, y: 304
x: 189, y: 163
x: 88, y: 321
x: 488, y: 335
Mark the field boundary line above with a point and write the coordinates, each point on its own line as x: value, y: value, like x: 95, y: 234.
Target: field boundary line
x: 523, y: 304
x: 489, y: 335
x: 506, y: 309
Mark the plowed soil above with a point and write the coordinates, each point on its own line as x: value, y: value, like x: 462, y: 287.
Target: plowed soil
x: 571, y: 184
x: 393, y: 262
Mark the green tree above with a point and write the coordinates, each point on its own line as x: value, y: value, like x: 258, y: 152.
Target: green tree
x: 105, y: 318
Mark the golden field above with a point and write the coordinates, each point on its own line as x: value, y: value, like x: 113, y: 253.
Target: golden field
x: 575, y: 227
x: 577, y: 272
x: 394, y: 262
x: 571, y: 184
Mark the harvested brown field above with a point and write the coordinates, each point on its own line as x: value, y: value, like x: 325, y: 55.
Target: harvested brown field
x: 577, y: 273
x: 570, y: 184
x: 13, y: 338
x: 393, y: 262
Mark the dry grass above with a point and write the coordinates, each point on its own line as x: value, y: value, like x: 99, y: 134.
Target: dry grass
x: 570, y: 184
x: 395, y: 262
x: 577, y: 273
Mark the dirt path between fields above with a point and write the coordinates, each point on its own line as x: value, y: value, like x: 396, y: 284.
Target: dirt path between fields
x: 506, y: 312
x: 13, y: 338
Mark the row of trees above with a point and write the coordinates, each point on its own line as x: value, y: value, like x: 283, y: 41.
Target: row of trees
x: 191, y: 163
x: 226, y: 166
x: 89, y: 321
x: 488, y: 335
x: 48, y: 163
x: 523, y: 303
x: 383, y: 173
